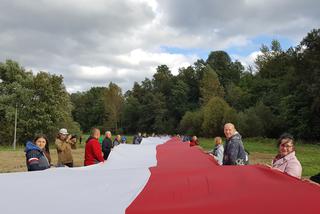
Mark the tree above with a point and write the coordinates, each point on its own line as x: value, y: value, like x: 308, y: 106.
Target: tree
x: 191, y: 123
x: 190, y: 77
x: 162, y: 80
x: 113, y: 103
x: 131, y: 114
x: 210, y: 85
x: 258, y: 121
x: 178, y: 103
x: 215, y: 114
x: 228, y: 72
x: 89, y: 108
x: 42, y: 102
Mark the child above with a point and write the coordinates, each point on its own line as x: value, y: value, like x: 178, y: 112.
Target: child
x: 218, y: 150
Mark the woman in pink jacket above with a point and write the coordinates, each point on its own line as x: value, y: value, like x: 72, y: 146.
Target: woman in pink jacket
x: 286, y: 160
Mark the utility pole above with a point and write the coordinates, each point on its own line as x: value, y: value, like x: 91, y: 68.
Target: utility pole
x: 15, y: 129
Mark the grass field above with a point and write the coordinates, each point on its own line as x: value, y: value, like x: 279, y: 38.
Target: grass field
x: 262, y: 151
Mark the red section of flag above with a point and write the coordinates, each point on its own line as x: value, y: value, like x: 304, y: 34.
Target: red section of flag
x: 186, y: 180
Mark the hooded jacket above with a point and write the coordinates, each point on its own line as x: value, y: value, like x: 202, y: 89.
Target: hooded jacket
x: 35, y: 158
x: 234, y: 153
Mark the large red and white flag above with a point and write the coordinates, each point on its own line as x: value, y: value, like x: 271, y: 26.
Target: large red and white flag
x: 157, y: 176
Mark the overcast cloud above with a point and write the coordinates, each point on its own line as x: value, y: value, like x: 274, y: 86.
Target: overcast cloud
x: 94, y: 42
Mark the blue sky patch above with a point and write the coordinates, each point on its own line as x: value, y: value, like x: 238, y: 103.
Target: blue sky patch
x: 254, y: 45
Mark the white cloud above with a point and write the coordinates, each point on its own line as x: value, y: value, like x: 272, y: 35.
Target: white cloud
x: 247, y: 60
x: 92, y: 43
x: 139, y: 57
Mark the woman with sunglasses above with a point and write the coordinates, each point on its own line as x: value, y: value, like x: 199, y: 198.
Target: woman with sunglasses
x: 286, y: 160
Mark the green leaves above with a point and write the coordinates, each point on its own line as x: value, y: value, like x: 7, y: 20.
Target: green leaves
x: 42, y: 102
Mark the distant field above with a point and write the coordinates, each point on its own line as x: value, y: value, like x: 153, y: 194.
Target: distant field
x: 261, y: 150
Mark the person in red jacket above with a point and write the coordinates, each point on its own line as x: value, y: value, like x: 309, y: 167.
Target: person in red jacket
x: 194, y: 141
x: 93, y: 152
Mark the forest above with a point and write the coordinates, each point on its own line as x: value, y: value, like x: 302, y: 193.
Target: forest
x: 280, y: 93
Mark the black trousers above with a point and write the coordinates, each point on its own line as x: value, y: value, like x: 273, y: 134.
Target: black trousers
x: 69, y: 164
x: 106, y: 154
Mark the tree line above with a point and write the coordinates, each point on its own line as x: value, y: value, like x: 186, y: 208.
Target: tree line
x: 41, y: 100
x: 280, y: 93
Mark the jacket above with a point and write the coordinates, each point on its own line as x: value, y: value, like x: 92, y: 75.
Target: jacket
x: 107, y: 145
x: 93, y: 153
x: 137, y: 139
x: 64, y: 151
x: 234, y: 153
x: 194, y: 143
x: 288, y: 164
x: 115, y: 143
x: 35, y: 158
x: 218, y: 153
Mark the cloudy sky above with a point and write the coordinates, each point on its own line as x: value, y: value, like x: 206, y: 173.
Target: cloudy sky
x: 93, y: 42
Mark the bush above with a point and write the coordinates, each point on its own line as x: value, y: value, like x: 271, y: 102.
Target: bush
x: 191, y: 123
x: 215, y: 114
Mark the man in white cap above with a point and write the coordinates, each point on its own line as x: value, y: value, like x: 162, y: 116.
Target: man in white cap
x: 64, y: 144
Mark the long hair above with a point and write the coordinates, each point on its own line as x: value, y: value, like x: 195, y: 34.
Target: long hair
x: 46, y: 148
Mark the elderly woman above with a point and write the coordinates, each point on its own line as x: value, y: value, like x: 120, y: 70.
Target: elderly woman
x: 286, y: 160
x: 37, y: 154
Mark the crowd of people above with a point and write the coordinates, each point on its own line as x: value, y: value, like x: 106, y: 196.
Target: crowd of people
x: 232, y: 152
x: 38, y: 154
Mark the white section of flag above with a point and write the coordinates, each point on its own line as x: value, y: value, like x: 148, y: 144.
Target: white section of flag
x: 102, y: 188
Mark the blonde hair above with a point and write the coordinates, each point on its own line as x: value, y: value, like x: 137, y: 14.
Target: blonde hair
x: 218, y: 140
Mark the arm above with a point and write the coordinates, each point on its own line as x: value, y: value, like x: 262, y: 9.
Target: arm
x: 33, y: 160
x: 97, y: 152
x: 59, y: 145
x: 111, y: 145
x: 103, y: 146
x: 294, y: 169
x: 73, y: 143
x: 220, y: 155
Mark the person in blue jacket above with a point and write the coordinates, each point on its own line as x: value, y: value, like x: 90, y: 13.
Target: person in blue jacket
x: 37, y: 154
x: 123, y: 139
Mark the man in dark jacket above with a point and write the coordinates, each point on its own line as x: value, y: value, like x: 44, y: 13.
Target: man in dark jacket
x: 234, y: 153
x: 107, y: 145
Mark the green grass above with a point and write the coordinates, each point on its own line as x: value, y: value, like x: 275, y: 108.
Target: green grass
x: 260, y: 148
